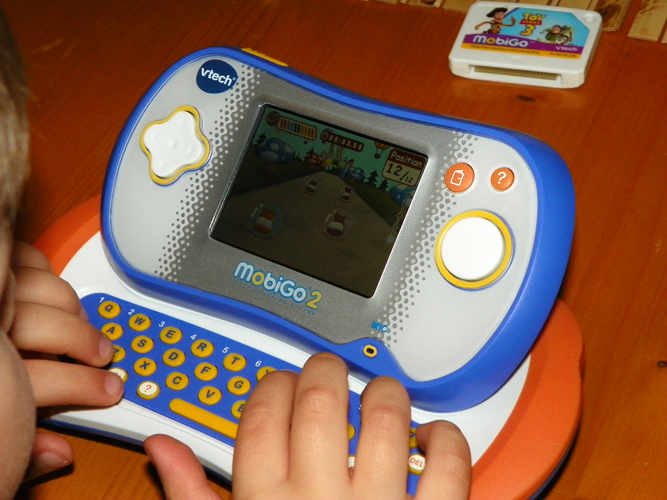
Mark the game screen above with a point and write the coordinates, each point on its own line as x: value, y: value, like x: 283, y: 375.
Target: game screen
x: 322, y: 200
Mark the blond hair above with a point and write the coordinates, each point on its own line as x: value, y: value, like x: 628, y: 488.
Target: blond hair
x: 13, y: 123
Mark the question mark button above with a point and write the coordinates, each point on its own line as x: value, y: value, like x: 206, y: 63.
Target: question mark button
x: 502, y: 179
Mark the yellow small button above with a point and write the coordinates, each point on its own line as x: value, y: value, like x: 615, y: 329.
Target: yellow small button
x: 112, y: 330
x: 173, y: 358
x: 210, y: 395
x: 416, y: 463
x: 206, y: 372
x: 263, y: 371
x: 140, y: 322
x: 120, y: 372
x: 177, y: 381
x: 234, y: 362
x: 413, y: 437
x: 170, y: 335
x: 142, y: 344
x: 145, y: 367
x: 202, y: 348
x: 108, y: 309
x: 237, y: 408
x: 148, y: 390
x: 118, y: 354
x: 351, y: 431
x: 238, y: 386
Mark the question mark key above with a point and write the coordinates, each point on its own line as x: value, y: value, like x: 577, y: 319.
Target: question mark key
x: 502, y: 179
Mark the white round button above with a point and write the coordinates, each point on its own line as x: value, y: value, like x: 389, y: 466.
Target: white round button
x: 473, y: 248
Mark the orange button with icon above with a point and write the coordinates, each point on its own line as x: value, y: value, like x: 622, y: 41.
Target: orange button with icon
x: 502, y: 179
x: 459, y: 177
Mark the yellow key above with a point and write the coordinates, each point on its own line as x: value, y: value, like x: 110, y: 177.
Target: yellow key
x: 237, y: 408
x: 206, y: 372
x: 234, y: 362
x: 203, y: 417
x: 139, y: 322
x: 145, y: 367
x: 170, y: 335
x: 118, y: 354
x: 108, y: 309
x: 210, y: 395
x: 142, y: 344
x: 177, y: 381
x: 112, y: 330
x: 238, y: 386
x: 202, y: 348
x: 173, y: 358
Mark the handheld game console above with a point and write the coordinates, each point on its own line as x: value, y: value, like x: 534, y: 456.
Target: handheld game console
x: 250, y: 205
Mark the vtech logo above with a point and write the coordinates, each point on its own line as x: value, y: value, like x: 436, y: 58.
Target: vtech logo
x: 216, y: 76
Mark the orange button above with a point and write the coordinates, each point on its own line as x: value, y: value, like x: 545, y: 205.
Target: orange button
x: 502, y: 179
x: 459, y: 177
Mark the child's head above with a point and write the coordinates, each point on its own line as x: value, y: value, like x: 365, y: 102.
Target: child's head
x: 17, y: 408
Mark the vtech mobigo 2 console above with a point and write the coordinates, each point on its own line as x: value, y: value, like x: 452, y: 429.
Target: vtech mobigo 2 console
x: 413, y: 245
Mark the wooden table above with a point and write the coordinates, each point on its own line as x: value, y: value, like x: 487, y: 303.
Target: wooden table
x: 89, y: 62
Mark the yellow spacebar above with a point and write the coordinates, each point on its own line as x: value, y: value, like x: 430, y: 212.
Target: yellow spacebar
x: 203, y: 417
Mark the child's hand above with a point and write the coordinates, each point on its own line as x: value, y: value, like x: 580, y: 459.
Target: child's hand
x: 293, y: 443
x: 47, y: 321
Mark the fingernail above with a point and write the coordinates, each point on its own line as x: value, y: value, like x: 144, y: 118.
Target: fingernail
x: 53, y: 460
x: 113, y: 385
x: 105, y: 348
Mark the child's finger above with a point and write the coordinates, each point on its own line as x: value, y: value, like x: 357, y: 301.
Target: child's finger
x: 261, y: 453
x: 319, y: 437
x: 42, y: 287
x: 49, y: 453
x: 381, y: 465
x: 61, y: 384
x: 27, y: 255
x: 448, y: 468
x: 180, y: 472
x: 45, y: 329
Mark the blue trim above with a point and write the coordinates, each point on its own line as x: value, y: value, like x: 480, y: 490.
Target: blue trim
x: 490, y: 368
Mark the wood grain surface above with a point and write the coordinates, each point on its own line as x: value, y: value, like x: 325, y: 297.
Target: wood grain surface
x: 88, y: 63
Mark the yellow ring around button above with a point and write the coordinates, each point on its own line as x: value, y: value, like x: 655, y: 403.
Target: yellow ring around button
x: 507, y: 238
x: 416, y: 463
x: 206, y: 153
x: 370, y: 351
x: 120, y: 372
x: 148, y: 390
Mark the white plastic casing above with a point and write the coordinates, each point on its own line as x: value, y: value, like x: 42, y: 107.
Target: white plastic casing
x: 528, y: 44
